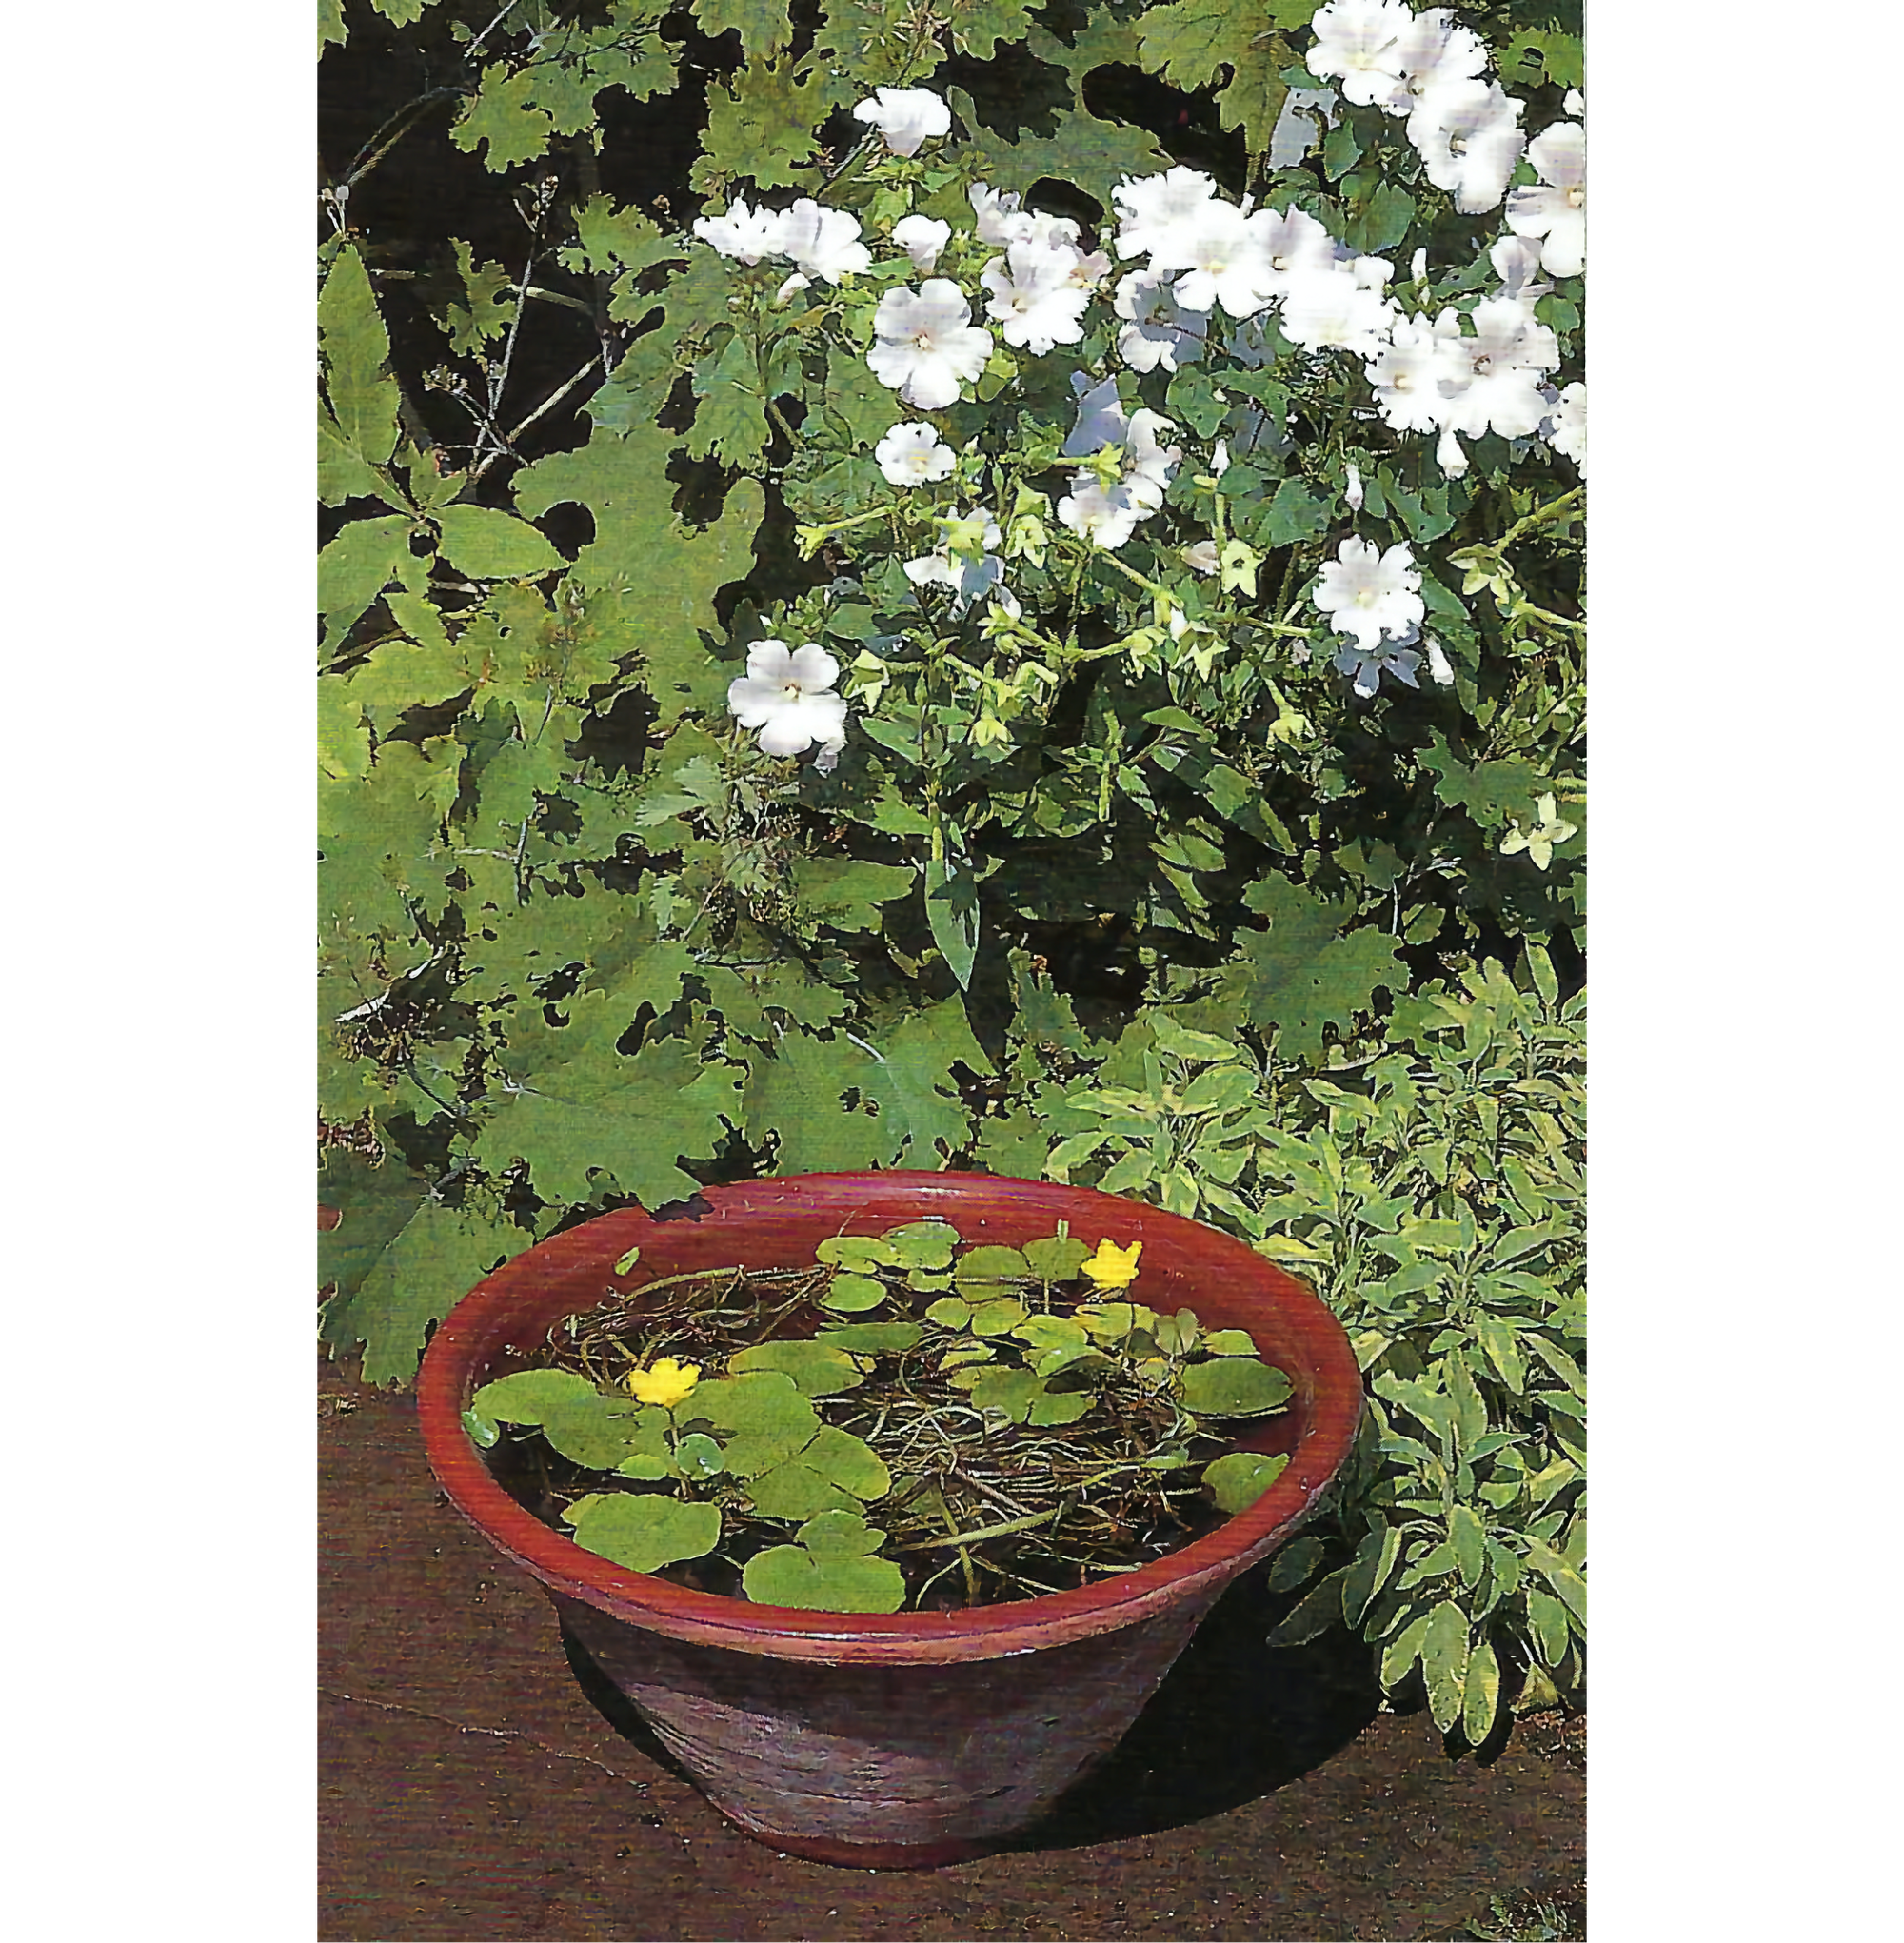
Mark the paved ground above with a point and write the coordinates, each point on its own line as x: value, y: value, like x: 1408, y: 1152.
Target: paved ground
x: 480, y: 1781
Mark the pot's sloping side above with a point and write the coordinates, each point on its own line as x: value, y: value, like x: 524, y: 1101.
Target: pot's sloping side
x: 885, y: 1767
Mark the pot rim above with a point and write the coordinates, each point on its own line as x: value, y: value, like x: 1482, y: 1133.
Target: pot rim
x: 481, y: 1324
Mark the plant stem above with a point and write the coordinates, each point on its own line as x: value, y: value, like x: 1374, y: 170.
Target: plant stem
x: 985, y: 1532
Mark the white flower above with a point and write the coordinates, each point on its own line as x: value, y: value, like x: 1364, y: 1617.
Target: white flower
x: 1220, y: 458
x: 1105, y: 515
x: 1469, y: 141
x: 1565, y: 426
x: 1324, y: 308
x: 1411, y: 373
x: 905, y: 116
x: 1449, y: 455
x: 1438, y: 664
x: 1202, y: 558
x: 1357, y: 40
x: 822, y: 243
x: 1101, y: 420
x: 1432, y: 52
x: 1002, y: 223
x: 1036, y: 302
x: 911, y: 455
x: 1290, y: 243
x: 921, y: 238
x: 1576, y: 103
x: 1352, y: 489
x: 742, y: 233
x: 1223, y: 259
x: 1149, y: 463
x: 1506, y: 359
x: 787, y: 695
x: 1367, y: 593
x: 998, y: 214
x: 966, y: 561
x: 1158, y: 330
x: 1558, y: 208
x: 925, y: 345
x: 1151, y: 209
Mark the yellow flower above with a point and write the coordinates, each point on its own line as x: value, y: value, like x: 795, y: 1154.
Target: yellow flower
x: 666, y: 1383
x: 1113, y: 1267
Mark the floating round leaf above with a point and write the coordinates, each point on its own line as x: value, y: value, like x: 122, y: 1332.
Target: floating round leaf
x: 996, y: 1318
x: 791, y: 1575
x: 699, y: 1455
x: 817, y: 1370
x: 950, y: 1312
x: 766, y: 1412
x: 849, y: 1294
x: 594, y: 1430
x: 1058, y: 1406
x: 923, y: 1245
x: 871, y: 1338
x: 839, y: 1534
x: 1057, y: 1258
x: 484, y: 1431
x: 990, y: 1263
x: 1233, y: 1386
x: 1238, y: 1481
x: 857, y: 1252
x: 530, y: 1394
x: 645, y: 1530
x: 1230, y: 1343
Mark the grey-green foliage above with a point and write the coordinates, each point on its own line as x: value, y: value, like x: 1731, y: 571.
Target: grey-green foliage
x: 1437, y: 1202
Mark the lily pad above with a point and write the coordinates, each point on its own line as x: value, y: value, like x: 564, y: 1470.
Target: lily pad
x: 857, y: 1252
x: 1238, y: 1481
x: 990, y: 1263
x: 483, y: 1432
x: 1233, y: 1386
x: 791, y: 1575
x: 998, y: 1318
x: 1114, y: 1321
x: 951, y: 1312
x: 817, y: 1370
x: 871, y: 1338
x: 1057, y: 1258
x: 1230, y: 1343
x: 598, y: 1431
x: 699, y: 1455
x: 840, y: 1534
x: 768, y: 1416
x: 923, y: 1245
x: 644, y: 1530
x: 530, y: 1394
x: 1177, y: 1334
x: 835, y: 1472
x: 850, y: 1294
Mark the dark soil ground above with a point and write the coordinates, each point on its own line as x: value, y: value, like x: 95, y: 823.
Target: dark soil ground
x: 481, y: 1780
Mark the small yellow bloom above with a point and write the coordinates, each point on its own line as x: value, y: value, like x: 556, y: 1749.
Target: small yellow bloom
x: 1113, y: 1267
x: 666, y: 1383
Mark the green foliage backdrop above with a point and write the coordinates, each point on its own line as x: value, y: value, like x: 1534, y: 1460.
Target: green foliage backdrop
x: 1255, y: 951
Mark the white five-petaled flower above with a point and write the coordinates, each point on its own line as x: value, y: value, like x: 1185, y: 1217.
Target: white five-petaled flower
x: 1356, y: 42
x: 1557, y: 209
x: 1002, y: 223
x: 1517, y: 263
x: 745, y: 234
x: 1413, y: 371
x: 1221, y: 259
x: 822, y: 243
x: 907, y: 117
x: 1035, y: 300
x: 787, y: 694
x: 1505, y: 362
x: 911, y: 455
x: 1151, y: 207
x: 1468, y: 140
x: 921, y: 238
x: 1336, y: 308
x: 1367, y: 593
x: 1159, y: 330
x: 925, y: 345
x: 1432, y: 52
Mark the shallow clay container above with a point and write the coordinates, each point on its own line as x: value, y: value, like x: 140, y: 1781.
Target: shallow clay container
x: 907, y: 1739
